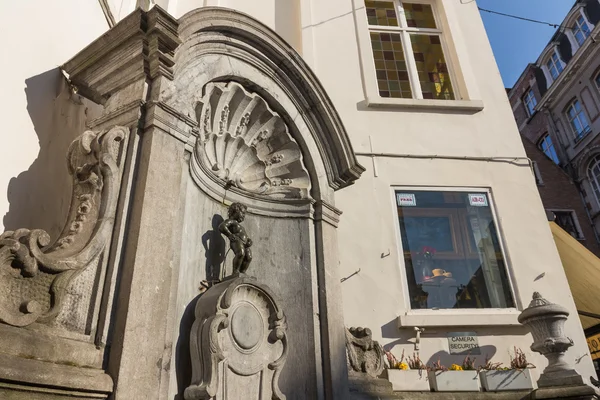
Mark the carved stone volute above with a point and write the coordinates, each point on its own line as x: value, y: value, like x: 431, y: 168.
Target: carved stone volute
x: 34, y: 274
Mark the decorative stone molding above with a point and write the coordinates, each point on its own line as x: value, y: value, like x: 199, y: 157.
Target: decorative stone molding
x: 214, y: 31
x: 546, y: 322
x: 365, y: 355
x: 35, y: 274
x: 238, y: 343
x: 243, y: 143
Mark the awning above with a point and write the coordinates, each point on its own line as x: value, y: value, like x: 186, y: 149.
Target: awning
x: 583, y: 273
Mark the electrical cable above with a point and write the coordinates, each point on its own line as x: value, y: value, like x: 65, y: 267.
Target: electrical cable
x: 520, y: 18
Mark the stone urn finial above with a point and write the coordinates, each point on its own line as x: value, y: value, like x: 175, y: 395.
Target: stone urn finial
x: 546, y: 322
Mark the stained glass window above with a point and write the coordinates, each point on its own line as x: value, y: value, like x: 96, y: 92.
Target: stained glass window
x: 408, y: 51
x: 432, y: 67
x: 381, y: 13
x: 419, y: 15
x: 390, y: 65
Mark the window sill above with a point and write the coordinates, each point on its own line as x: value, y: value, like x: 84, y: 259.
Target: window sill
x: 481, y: 317
x: 471, y: 106
x: 580, y: 139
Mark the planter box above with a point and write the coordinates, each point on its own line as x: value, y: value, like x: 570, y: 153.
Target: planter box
x: 512, y: 379
x: 410, y: 380
x: 454, y: 381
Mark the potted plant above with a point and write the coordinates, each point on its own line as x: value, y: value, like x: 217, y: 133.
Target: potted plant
x: 457, y: 378
x: 495, y: 378
x: 406, y: 376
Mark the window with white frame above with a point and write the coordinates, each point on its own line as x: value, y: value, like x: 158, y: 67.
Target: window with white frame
x: 530, y: 102
x: 554, y: 66
x: 597, y: 80
x: 545, y: 144
x: 452, y: 252
x: 408, y: 50
x: 567, y: 220
x: 577, y: 119
x: 593, y: 174
x: 581, y: 30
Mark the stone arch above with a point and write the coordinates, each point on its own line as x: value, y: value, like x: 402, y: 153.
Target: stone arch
x: 213, y: 30
x: 152, y: 74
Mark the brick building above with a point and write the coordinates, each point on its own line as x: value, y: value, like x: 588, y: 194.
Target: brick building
x: 556, y: 103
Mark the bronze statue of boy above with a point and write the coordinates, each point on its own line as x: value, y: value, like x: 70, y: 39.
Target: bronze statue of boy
x: 239, y: 241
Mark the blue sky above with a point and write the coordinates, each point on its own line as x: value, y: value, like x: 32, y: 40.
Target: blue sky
x: 517, y: 43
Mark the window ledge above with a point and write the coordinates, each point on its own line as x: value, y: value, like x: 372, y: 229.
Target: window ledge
x: 472, y: 106
x: 482, y: 317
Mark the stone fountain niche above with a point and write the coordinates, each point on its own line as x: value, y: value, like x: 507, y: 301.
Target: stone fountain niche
x: 199, y: 113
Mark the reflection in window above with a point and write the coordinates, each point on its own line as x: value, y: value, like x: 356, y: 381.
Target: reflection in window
x: 554, y: 66
x: 581, y: 30
x: 407, y: 45
x: 545, y: 144
x: 452, y: 252
x: 593, y: 174
x: 577, y: 120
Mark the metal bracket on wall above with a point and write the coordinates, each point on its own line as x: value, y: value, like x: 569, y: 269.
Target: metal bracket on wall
x: 350, y: 276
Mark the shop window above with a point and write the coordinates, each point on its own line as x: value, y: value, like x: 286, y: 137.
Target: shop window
x: 577, y: 119
x: 452, y: 251
x: 408, y: 50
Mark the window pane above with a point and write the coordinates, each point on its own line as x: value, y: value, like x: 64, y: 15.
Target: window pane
x: 565, y: 220
x: 419, y: 15
x: 381, y: 13
x: 390, y: 65
x: 431, y: 67
x: 452, y: 252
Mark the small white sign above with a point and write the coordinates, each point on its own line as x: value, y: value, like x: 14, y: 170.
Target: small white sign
x: 406, y: 199
x: 478, y: 200
x: 463, y: 343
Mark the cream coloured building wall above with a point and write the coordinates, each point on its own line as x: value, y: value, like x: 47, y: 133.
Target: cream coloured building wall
x: 40, y: 116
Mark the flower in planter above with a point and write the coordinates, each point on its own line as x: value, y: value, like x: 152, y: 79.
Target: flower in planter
x: 415, y: 362
x: 402, y: 366
x: 468, y: 364
x: 520, y: 360
x: 455, y: 367
x: 437, y: 366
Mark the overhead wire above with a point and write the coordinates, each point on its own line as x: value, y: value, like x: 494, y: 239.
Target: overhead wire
x: 520, y: 18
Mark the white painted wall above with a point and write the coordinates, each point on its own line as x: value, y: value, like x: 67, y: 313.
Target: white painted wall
x: 36, y: 109
x: 375, y: 297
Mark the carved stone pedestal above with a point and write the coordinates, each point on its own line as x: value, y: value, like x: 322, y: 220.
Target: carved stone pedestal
x: 238, y: 343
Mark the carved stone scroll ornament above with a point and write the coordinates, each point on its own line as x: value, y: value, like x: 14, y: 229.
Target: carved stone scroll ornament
x: 365, y: 355
x: 244, y: 144
x: 238, y: 343
x: 35, y: 275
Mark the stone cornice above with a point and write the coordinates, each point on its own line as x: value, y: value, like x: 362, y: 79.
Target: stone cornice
x: 141, y: 46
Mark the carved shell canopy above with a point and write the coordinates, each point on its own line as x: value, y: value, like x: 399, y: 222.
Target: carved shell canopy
x: 245, y: 144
